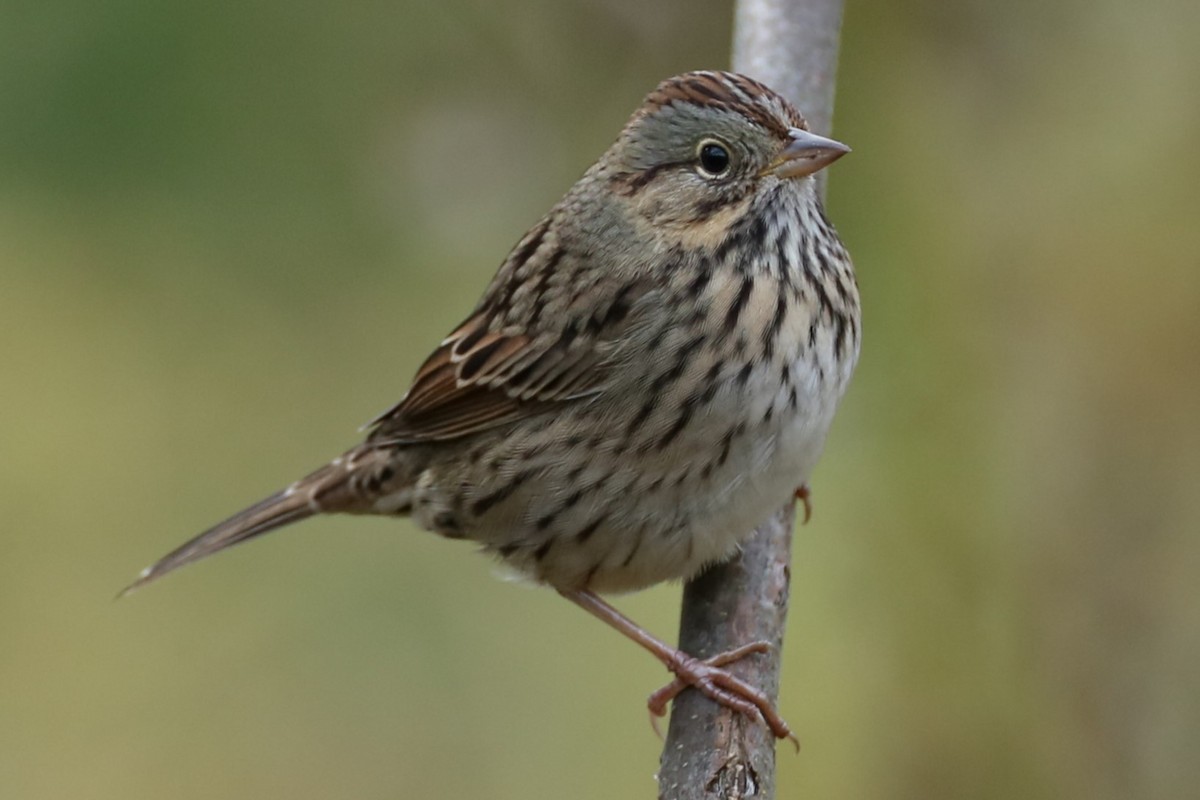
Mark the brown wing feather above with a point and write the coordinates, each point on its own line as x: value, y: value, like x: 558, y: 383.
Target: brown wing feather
x: 531, y: 343
x: 440, y: 405
x: 502, y: 379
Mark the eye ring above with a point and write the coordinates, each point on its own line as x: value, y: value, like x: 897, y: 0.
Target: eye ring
x: 713, y: 158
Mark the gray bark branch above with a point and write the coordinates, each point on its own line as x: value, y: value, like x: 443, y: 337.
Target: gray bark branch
x: 711, y: 752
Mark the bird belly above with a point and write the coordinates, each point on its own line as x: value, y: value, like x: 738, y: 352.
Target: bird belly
x: 588, y: 502
x: 762, y: 472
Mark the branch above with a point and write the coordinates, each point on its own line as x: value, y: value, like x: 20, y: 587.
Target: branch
x: 712, y: 752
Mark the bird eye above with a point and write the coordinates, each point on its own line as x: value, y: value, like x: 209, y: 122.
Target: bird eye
x: 714, y: 158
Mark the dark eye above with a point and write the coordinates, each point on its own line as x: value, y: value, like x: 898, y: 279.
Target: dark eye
x: 714, y: 158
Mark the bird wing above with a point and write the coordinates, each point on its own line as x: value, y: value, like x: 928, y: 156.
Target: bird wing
x: 545, y: 333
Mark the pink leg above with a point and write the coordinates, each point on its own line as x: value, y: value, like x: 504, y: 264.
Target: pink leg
x: 707, y: 676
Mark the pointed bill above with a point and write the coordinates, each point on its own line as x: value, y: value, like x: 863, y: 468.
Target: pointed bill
x: 805, y: 154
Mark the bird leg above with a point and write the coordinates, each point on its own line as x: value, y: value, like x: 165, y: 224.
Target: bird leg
x: 708, y: 676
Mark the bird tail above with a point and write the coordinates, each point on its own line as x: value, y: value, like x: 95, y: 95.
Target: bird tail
x: 340, y: 486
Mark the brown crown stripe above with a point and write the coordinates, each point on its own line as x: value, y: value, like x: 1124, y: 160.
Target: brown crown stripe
x: 724, y: 90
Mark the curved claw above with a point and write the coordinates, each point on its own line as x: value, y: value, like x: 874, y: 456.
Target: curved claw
x: 804, y: 495
x: 722, y: 687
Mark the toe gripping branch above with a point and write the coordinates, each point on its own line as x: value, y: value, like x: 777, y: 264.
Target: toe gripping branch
x: 708, y: 676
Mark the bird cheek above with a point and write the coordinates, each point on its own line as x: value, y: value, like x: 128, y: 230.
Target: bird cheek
x: 651, y: 207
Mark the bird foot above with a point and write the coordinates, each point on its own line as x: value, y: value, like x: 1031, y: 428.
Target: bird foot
x: 722, y: 687
x: 803, y: 494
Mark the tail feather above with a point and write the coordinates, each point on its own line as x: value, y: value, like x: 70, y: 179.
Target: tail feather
x: 329, y: 489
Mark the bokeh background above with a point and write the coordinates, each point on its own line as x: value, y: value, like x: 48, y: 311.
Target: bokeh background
x: 230, y: 231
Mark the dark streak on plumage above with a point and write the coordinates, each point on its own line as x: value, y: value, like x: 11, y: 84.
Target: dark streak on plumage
x: 673, y: 374
x: 586, y: 531
x: 771, y: 333
x: 447, y: 524
x: 643, y: 414
x: 603, y: 480
x: 681, y: 421
x: 744, y: 374
x: 824, y: 303
x: 630, y: 183
x: 719, y: 201
x: 747, y: 236
x: 842, y: 290
x: 569, y: 332
x: 547, y: 271
x: 514, y: 263
x: 637, y: 543
x: 739, y: 303
x: 727, y: 442
x: 697, y: 285
x: 839, y: 334
x: 703, y: 210
x: 483, y: 504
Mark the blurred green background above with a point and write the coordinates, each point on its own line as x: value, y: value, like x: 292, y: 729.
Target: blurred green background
x: 230, y: 231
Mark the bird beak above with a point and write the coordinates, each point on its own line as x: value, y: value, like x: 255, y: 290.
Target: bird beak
x: 805, y: 154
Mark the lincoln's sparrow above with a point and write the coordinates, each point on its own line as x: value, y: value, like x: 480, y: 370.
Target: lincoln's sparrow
x: 651, y: 372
